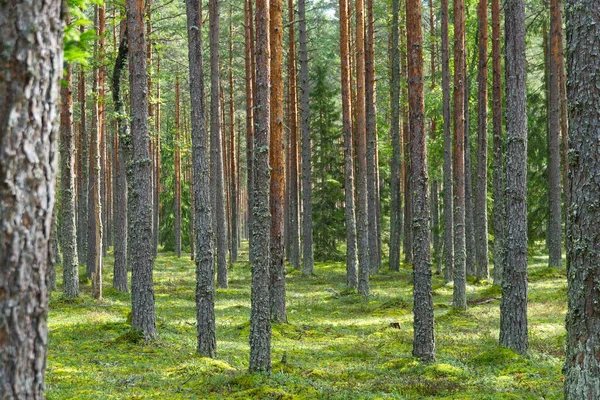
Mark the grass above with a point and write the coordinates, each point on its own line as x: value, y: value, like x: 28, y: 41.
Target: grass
x: 336, y: 345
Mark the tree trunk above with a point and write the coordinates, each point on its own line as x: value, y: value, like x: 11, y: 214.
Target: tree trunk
x: 123, y: 151
x: 349, y: 206
x: 102, y: 143
x: 513, y: 308
x: 28, y: 166
x: 362, y: 220
x: 156, y: 194
x: 68, y: 235
x: 583, y: 41
x: 407, y: 173
x: 307, y: 229
x: 554, y: 130
x: 424, y: 341
x: 205, y: 270
x: 143, y: 315
x: 277, y: 164
x: 448, y: 173
x: 233, y: 188
x: 469, y: 223
x: 435, y: 224
x: 177, y: 155
x: 498, y: 163
x: 294, y: 200
x: 371, y: 129
x: 83, y: 156
x: 459, y: 272
x: 250, y: 90
x: 260, y: 322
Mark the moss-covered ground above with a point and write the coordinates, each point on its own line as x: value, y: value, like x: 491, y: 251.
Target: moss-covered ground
x: 336, y: 345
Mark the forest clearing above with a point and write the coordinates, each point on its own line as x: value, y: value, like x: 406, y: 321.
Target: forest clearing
x: 335, y: 345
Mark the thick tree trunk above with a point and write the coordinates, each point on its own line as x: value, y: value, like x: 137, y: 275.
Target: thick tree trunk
x: 260, y: 322
x: 459, y: 272
x: 177, y: 156
x: 583, y: 41
x: 143, y: 315
x: 294, y: 200
x: 424, y: 341
x: 371, y: 128
x: 554, y: 130
x: 349, y: 206
x: 205, y: 270
x: 307, y: 228
x: 498, y: 163
x: 407, y: 173
x: 513, y: 308
x: 123, y: 151
x: 28, y: 167
x: 277, y: 164
x: 217, y: 177
x: 448, y: 255
x: 83, y: 181
x: 362, y: 220
x: 68, y: 235
x: 480, y: 206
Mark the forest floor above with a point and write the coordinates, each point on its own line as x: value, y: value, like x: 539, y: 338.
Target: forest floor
x: 336, y: 345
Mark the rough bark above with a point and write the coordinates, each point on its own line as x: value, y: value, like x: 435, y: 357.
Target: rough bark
x: 68, y: 234
x: 469, y: 222
x: 177, y: 156
x: 448, y: 255
x: 307, y: 228
x: 582, y: 364
x: 349, y: 206
x: 499, y: 208
x: 205, y: 270
x: 554, y: 132
x: 407, y: 173
x: 513, y: 307
x: 217, y: 176
x: 424, y: 341
x: 233, y: 182
x: 294, y: 200
x: 459, y: 270
x: 362, y: 222
x: 249, y: 68
x: 435, y: 225
x: 28, y: 167
x: 83, y: 181
x: 122, y: 155
x: 156, y: 172
x: 260, y: 322
x: 143, y: 315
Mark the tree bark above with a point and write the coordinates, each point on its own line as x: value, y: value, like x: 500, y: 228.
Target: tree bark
x: 513, y: 308
x: 233, y: 187
x: 205, y: 270
x: 249, y: 68
x: 554, y: 133
x: 349, y: 206
x: 583, y: 232
x: 217, y: 177
x: 177, y: 155
x: 424, y: 341
x: 469, y: 223
x: 362, y: 221
x: 28, y: 167
x: 143, y: 315
x: 447, y: 170
x: 459, y: 272
x: 68, y: 235
x: 83, y: 155
x: 260, y: 322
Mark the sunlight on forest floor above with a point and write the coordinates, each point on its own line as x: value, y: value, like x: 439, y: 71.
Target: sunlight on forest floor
x: 337, y: 345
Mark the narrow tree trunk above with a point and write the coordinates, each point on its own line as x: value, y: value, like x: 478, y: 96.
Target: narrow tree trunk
x: 32, y: 66
x: 583, y: 232
x: 156, y: 194
x: 554, y: 130
x: 513, y: 308
x: 123, y: 151
x: 361, y: 133
x: 424, y: 341
x: 102, y: 139
x: 459, y: 273
x: 83, y: 155
x: 498, y: 164
x: 143, y: 315
x: 294, y: 200
x: 307, y: 229
x: 435, y: 224
x: 469, y: 223
x: 217, y: 176
x: 177, y: 156
x: 349, y: 206
x: 448, y: 173
x: 68, y: 235
x: 205, y: 270
x: 233, y: 187
x: 407, y: 173
x: 260, y: 322
x: 249, y: 68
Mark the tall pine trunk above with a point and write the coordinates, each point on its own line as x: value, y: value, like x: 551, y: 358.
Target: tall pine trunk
x: 233, y: 182
x: 250, y: 90
x: 513, y: 307
x: 177, y: 156
x: 83, y: 178
x: 583, y: 232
